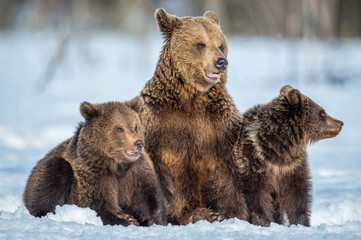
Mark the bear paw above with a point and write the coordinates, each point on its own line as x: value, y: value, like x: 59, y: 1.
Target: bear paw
x: 201, y: 214
x: 260, y: 219
x: 129, y: 219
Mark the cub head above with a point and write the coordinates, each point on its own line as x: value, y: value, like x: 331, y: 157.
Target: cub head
x: 112, y: 129
x: 197, y: 47
x: 314, y: 120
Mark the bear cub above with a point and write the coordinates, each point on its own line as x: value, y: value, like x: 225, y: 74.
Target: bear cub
x: 272, y: 157
x: 103, y: 167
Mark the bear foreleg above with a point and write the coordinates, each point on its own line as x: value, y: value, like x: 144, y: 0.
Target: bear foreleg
x: 297, y: 201
x: 260, y: 208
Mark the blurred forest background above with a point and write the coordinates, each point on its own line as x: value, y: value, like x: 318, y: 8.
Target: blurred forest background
x: 275, y: 18
x: 310, y: 30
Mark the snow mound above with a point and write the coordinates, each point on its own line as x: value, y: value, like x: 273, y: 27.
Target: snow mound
x: 9, y: 203
x: 71, y: 222
x: 72, y: 213
x: 333, y: 212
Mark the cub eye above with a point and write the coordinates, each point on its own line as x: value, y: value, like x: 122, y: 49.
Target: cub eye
x: 322, y: 114
x: 120, y: 129
x: 136, y: 129
x: 201, y: 45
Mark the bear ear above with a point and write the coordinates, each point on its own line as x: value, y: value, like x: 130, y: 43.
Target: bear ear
x: 294, y: 97
x: 88, y: 110
x: 211, y: 16
x: 285, y: 89
x: 166, y: 22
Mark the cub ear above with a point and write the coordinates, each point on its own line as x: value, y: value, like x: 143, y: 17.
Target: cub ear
x: 294, y: 97
x: 88, y: 110
x: 285, y: 89
x: 166, y: 22
x: 136, y: 103
x: 211, y: 16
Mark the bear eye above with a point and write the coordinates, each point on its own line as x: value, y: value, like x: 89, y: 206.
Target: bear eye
x: 221, y: 48
x: 201, y: 45
x: 136, y: 129
x: 119, y: 129
x: 322, y: 114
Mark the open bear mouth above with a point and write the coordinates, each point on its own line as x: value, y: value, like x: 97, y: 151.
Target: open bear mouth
x: 213, y: 76
x: 134, y: 154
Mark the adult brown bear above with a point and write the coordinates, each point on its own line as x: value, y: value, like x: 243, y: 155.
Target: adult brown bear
x: 190, y: 122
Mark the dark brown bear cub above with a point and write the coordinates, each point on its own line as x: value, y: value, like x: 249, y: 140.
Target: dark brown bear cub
x: 272, y: 156
x: 106, y: 168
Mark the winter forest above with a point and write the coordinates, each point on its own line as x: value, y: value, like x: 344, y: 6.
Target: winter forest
x: 55, y: 54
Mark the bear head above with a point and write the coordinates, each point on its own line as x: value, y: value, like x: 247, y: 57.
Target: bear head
x: 112, y: 129
x: 307, y: 114
x: 197, y: 47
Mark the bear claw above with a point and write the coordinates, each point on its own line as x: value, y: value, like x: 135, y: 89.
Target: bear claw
x: 201, y: 214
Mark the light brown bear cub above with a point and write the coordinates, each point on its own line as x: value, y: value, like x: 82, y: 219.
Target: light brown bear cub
x: 102, y: 167
x: 272, y: 156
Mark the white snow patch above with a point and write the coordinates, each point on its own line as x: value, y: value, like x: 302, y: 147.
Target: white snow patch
x: 336, y: 212
x: 72, y: 213
x: 49, y: 135
x: 9, y: 203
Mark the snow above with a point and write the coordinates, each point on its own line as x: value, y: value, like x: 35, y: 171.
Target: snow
x: 112, y: 66
x: 72, y: 213
x: 20, y: 224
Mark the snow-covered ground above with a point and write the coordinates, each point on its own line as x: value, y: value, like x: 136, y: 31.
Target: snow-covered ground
x: 110, y: 67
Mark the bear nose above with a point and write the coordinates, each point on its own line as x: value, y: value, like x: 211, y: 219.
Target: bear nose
x: 341, y: 123
x: 139, y: 144
x: 221, y: 63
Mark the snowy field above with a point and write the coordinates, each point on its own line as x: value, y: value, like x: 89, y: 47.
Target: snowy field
x: 110, y: 67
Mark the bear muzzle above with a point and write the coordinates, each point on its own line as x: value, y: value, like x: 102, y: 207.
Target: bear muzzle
x: 135, y: 154
x: 215, y: 77
x: 331, y: 130
x: 132, y: 154
x: 139, y: 144
x: 221, y: 64
x: 337, y: 125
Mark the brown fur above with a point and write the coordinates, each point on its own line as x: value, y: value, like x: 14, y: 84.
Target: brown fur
x: 49, y: 183
x: 272, y: 156
x: 190, y: 121
x: 111, y: 173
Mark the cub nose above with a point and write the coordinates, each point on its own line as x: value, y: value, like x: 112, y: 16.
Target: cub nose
x: 221, y: 63
x: 341, y: 123
x: 139, y: 144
